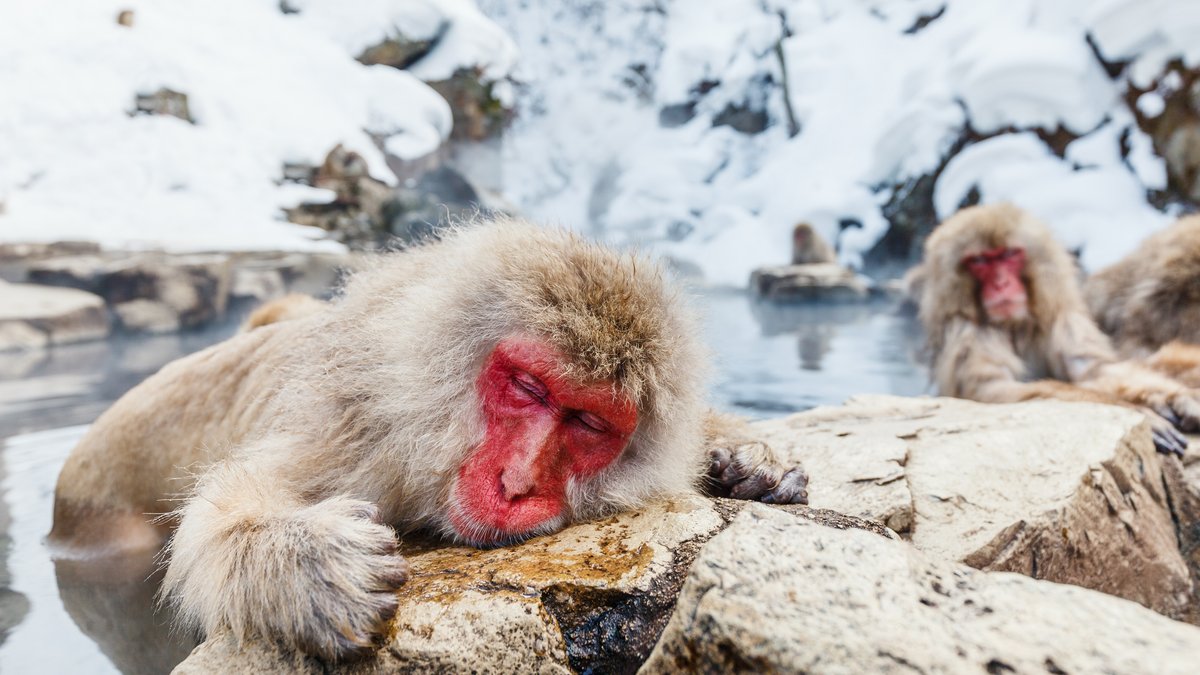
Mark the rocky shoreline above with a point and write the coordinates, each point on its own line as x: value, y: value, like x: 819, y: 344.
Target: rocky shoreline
x: 67, y: 292
x: 970, y: 493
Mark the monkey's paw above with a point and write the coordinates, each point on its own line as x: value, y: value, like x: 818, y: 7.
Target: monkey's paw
x: 1180, y: 408
x: 346, y: 580
x: 1167, y: 438
x: 750, y: 471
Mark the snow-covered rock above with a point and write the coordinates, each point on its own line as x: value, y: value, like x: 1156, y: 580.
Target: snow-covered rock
x: 266, y: 84
x: 861, y: 99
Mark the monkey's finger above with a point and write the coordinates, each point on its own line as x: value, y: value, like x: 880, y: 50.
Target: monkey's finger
x: 393, y: 573
x: 792, y: 489
x: 753, y: 486
x: 1187, y: 409
x: 1167, y: 413
x: 1169, y: 442
x: 719, y: 461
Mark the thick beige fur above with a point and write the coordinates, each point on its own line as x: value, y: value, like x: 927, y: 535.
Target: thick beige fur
x: 1152, y: 296
x: 814, y: 248
x: 1058, y: 352
x: 299, y: 445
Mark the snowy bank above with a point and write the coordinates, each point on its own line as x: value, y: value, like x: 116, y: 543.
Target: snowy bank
x: 263, y: 88
x: 628, y: 124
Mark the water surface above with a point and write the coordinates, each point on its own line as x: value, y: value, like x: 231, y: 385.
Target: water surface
x: 71, y: 618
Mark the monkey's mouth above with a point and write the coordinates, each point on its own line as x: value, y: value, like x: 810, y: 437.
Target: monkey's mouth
x: 1011, y: 308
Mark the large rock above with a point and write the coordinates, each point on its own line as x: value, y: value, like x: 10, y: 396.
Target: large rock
x: 777, y: 594
x: 806, y: 283
x: 594, y: 597
x: 1068, y: 492
x: 37, y: 316
x: 146, y: 290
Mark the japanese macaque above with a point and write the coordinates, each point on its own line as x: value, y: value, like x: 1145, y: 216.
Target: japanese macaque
x: 1152, y: 296
x: 809, y: 248
x: 1005, y: 321
x: 496, y: 385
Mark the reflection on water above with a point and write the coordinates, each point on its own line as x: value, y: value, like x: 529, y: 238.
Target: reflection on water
x: 774, y: 360
x: 72, y: 617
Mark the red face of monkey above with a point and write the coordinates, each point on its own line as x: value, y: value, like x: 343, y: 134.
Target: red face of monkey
x: 1001, y: 290
x: 543, y: 431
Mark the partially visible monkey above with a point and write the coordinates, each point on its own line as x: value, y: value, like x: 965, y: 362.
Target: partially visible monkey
x: 290, y: 306
x: 1152, y: 296
x: 499, y: 384
x: 808, y: 247
x: 1005, y: 321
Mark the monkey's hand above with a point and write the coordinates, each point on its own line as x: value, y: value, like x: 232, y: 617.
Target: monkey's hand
x: 1167, y: 438
x: 320, y: 578
x: 750, y: 470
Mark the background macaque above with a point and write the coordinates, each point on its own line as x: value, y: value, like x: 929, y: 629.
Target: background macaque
x: 1006, y: 322
x: 496, y: 385
x: 808, y: 247
x: 1152, y: 296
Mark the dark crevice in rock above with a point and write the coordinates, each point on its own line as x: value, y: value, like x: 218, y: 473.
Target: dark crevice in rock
x: 924, y: 20
x: 610, y: 631
x: 401, y: 51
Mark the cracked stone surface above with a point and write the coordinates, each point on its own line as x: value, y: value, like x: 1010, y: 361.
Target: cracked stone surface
x: 1068, y: 492
x: 594, y: 597
x: 777, y: 594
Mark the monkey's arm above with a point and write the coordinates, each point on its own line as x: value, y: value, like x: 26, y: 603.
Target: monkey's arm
x: 252, y: 555
x: 744, y: 468
x: 979, y: 363
x: 1085, y: 356
x: 1179, y: 361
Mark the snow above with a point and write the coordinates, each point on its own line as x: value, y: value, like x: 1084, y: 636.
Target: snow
x: 880, y: 90
x: 878, y: 105
x: 263, y: 87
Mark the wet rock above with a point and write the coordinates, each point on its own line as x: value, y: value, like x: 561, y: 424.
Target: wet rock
x: 36, y: 316
x: 195, y: 288
x: 824, y: 282
x: 478, y: 111
x: 743, y: 118
x: 1068, y: 492
x: 677, y: 114
x: 356, y: 213
x: 163, y: 102
x: 15, y: 258
x: 775, y: 594
x: 438, y: 197
x: 146, y: 316
x: 593, y: 598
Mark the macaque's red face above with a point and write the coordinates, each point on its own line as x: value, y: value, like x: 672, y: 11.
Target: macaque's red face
x: 800, y: 238
x: 1001, y: 290
x: 543, y: 431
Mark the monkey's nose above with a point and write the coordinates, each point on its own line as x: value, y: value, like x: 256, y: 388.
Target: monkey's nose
x: 516, y: 483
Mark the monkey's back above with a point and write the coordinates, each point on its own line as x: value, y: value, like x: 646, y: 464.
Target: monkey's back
x: 146, y: 450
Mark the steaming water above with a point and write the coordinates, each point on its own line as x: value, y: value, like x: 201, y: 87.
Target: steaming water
x: 66, y: 618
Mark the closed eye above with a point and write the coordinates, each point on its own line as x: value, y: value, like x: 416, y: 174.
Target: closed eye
x: 591, y: 422
x: 531, y: 386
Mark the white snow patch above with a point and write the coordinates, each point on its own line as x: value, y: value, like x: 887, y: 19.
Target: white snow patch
x: 263, y: 87
x: 1101, y: 210
x: 877, y: 106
